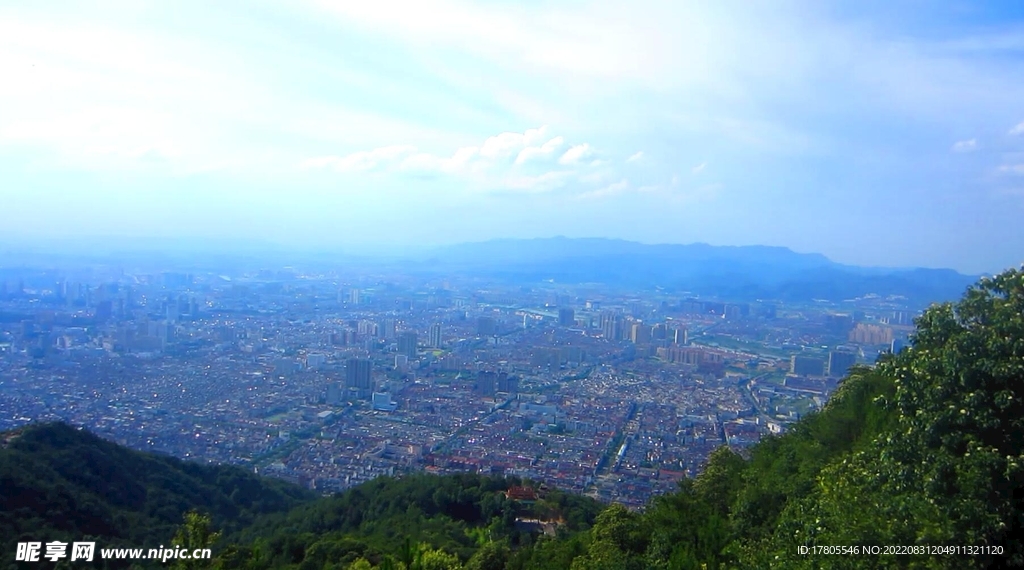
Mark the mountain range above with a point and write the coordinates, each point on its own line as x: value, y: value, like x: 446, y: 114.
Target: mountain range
x: 729, y: 272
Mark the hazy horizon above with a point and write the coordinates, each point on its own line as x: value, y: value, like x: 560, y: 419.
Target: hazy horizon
x: 112, y: 246
x: 874, y: 134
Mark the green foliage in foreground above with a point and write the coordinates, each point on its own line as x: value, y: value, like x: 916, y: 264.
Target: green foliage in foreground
x: 417, y: 521
x: 60, y: 483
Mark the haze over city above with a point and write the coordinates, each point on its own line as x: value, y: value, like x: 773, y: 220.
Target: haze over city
x: 522, y: 285
x: 874, y: 134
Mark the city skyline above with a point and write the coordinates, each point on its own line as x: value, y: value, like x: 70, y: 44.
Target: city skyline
x: 330, y: 381
x: 874, y: 134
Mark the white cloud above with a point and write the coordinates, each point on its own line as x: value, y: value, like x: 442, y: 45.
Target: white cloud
x: 362, y: 161
x: 485, y: 167
x: 636, y: 156
x: 1018, y: 130
x: 1011, y: 169
x: 613, y: 189
x: 576, y: 154
x: 507, y: 144
x: 699, y: 168
x: 965, y: 146
x: 545, y: 151
x: 555, y: 40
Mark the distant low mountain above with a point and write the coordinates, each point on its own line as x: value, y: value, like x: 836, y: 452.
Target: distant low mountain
x: 744, y: 272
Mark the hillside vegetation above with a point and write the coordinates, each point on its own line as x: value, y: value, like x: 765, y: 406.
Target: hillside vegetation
x: 61, y: 483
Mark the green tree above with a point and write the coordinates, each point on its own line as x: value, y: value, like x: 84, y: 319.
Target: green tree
x: 432, y: 559
x: 360, y: 564
x: 491, y: 556
x: 619, y: 539
x: 721, y: 479
x: 947, y: 468
x: 194, y: 534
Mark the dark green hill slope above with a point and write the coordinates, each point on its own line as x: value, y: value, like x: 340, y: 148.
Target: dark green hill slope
x: 398, y: 520
x: 58, y: 482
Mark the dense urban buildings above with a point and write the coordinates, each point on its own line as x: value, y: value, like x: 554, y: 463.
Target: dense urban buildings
x: 330, y: 378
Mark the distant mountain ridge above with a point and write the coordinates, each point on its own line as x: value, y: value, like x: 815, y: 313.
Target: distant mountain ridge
x: 737, y: 272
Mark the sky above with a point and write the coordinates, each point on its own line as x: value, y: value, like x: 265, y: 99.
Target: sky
x: 875, y: 132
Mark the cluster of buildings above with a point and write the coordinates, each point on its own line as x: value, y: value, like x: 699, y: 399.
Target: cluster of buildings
x: 330, y: 379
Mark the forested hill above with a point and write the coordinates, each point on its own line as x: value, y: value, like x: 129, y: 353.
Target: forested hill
x: 923, y: 454
x: 61, y: 483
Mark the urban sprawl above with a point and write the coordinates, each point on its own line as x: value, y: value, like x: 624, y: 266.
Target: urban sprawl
x: 330, y: 380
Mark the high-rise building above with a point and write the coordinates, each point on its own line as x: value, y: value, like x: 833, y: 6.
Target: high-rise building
x: 357, y: 377
x: 407, y: 344
x: 896, y: 346
x: 315, y: 360
x: 485, y: 326
x: 902, y: 318
x: 840, y: 362
x: 839, y: 325
x: 870, y: 334
x: 684, y: 355
x: 285, y: 366
x: 806, y: 366
x: 566, y: 317
x: 507, y: 383
x: 434, y: 336
x: 334, y: 394
x: 388, y: 329
x: 487, y: 382
x: 547, y: 358
x: 368, y: 328
x: 160, y: 330
x: 640, y: 334
x: 572, y: 354
x: 612, y: 328
x: 104, y: 310
x: 381, y: 401
x: 172, y: 310
x: 659, y: 332
x: 680, y: 337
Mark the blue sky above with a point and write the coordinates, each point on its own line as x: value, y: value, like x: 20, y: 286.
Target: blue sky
x: 877, y: 133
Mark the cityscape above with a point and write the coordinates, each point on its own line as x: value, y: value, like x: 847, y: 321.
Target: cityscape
x: 469, y: 285
x: 330, y: 379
